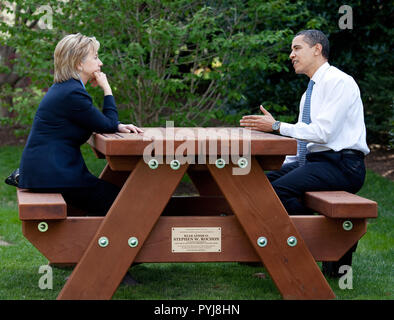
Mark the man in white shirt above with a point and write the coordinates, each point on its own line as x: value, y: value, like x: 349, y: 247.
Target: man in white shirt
x: 330, y: 130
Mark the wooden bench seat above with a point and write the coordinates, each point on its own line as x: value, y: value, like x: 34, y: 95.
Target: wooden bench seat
x: 67, y: 237
x: 333, y: 204
x: 341, y: 204
x: 41, y: 206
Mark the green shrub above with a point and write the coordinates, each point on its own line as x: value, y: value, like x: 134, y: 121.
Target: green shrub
x: 202, y: 62
x: 166, y: 60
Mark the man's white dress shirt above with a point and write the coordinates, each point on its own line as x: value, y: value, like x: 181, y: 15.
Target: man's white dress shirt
x: 337, y: 115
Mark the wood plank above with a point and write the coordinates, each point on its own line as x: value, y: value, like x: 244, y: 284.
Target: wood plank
x: 207, y: 186
x: 133, y: 214
x: 315, y: 230
x: 66, y: 240
x: 117, y: 178
x: 260, y: 213
x: 325, y: 237
x: 225, y: 140
x: 122, y: 163
x: 341, y: 204
x: 41, y: 206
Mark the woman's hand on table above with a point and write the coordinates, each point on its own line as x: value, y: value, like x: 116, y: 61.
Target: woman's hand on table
x: 128, y: 128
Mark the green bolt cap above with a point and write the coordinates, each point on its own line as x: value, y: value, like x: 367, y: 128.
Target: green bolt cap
x: 262, y: 241
x: 103, y: 242
x: 175, y: 164
x: 42, y: 226
x: 220, y: 163
x: 347, y: 225
x: 153, y: 163
x: 243, y: 163
x: 133, y: 242
x: 292, y: 241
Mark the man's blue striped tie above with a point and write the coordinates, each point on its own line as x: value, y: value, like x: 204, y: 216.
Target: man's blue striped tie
x: 306, y: 117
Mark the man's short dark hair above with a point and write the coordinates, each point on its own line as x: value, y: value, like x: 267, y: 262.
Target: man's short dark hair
x: 313, y: 37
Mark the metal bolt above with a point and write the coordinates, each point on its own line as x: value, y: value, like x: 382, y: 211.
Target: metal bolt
x: 133, y: 242
x: 262, y: 241
x: 347, y: 225
x: 220, y: 163
x: 153, y: 163
x: 292, y: 241
x: 243, y: 163
x: 42, y: 226
x: 103, y: 242
x: 175, y: 164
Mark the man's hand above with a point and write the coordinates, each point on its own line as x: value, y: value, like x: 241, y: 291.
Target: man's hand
x: 260, y: 123
x: 128, y: 128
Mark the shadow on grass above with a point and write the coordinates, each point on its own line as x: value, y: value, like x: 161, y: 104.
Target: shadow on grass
x: 193, y: 281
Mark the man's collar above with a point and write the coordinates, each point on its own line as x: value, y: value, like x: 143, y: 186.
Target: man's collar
x: 319, y: 72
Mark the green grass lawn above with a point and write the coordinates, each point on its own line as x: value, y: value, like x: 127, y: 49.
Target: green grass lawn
x: 20, y: 261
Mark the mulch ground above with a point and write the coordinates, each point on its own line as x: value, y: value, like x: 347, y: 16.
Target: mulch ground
x: 380, y: 160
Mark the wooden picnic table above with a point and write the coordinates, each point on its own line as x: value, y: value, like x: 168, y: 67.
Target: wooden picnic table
x: 141, y: 223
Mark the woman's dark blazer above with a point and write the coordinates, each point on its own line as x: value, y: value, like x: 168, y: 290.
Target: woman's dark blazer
x: 64, y: 121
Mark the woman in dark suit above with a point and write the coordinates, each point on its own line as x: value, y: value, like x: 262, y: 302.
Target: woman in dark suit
x: 65, y: 119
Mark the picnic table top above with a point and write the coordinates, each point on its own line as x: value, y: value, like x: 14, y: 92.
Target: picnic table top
x: 196, y: 140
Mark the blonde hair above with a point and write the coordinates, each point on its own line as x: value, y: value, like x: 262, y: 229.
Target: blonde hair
x: 69, y: 52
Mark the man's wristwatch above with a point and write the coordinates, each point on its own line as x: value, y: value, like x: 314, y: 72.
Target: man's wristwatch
x: 276, y: 126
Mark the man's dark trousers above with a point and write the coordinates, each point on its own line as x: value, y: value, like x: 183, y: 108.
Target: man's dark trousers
x: 323, y: 171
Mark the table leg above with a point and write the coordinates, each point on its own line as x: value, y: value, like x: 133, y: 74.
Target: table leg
x: 261, y: 214
x: 117, y: 178
x: 133, y: 214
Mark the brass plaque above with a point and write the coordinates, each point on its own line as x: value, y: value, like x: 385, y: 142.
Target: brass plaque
x: 197, y: 239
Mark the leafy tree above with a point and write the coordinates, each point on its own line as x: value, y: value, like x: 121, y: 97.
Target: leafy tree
x: 364, y: 52
x: 24, y: 60
x: 165, y: 59
x: 195, y: 62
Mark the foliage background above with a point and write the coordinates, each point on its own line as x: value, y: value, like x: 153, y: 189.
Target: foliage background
x: 198, y: 62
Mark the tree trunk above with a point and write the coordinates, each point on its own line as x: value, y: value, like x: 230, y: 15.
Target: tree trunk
x: 7, y: 55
